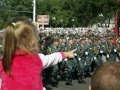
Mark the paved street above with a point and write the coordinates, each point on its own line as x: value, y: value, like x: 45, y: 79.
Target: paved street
x: 75, y: 86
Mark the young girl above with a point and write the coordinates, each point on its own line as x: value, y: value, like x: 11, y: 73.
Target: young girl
x: 22, y: 65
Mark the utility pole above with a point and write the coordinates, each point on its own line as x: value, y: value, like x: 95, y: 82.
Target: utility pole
x: 34, y: 10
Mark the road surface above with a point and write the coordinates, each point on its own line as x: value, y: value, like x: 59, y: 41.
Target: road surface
x: 75, y: 86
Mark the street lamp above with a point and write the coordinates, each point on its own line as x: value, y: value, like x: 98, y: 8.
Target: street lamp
x: 53, y: 21
x: 101, y: 19
x: 54, y: 18
x: 73, y: 20
x: 34, y: 10
x: 61, y: 21
x: 101, y: 15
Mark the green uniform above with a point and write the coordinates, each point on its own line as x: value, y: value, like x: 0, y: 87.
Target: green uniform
x: 69, y: 66
x: 54, y: 69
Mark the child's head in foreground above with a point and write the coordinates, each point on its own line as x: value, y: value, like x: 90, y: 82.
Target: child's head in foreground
x: 106, y: 77
x: 20, y: 34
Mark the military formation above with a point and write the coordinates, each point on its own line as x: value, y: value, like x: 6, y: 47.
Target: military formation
x: 92, y: 50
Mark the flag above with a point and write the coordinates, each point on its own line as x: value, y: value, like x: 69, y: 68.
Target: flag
x: 116, y: 28
x: 119, y: 1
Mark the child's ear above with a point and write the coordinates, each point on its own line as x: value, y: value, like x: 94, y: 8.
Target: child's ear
x: 89, y: 87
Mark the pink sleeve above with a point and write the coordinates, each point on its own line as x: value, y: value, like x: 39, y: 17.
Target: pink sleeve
x: 51, y: 59
x: 63, y: 55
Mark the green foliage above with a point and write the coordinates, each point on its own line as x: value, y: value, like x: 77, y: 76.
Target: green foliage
x: 66, y: 13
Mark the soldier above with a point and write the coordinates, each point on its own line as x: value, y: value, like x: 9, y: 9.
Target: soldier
x: 80, y: 62
x: 75, y: 61
x: 105, y: 48
x: 100, y: 53
x: 88, y: 57
x: 109, y: 55
x: 114, y: 52
x: 69, y: 64
x: 62, y: 47
x: 96, y: 59
x: 54, y: 69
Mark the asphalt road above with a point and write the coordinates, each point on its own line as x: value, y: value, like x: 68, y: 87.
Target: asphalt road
x: 75, y: 86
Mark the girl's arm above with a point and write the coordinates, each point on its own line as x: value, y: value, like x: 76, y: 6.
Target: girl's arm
x: 52, y: 59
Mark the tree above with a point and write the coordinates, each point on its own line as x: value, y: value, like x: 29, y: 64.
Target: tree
x: 61, y: 12
x: 14, y: 8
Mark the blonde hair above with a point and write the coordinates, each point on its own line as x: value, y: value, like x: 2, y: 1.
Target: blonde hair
x: 19, y: 35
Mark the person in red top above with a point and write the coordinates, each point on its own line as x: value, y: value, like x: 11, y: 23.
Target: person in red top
x: 21, y: 66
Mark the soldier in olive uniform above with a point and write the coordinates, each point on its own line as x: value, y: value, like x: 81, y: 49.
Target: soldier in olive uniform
x: 99, y: 55
x: 113, y: 52
x: 69, y: 64
x: 75, y: 61
x: 80, y: 62
x: 109, y: 55
x: 54, y: 69
x: 88, y: 57
x: 62, y: 47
